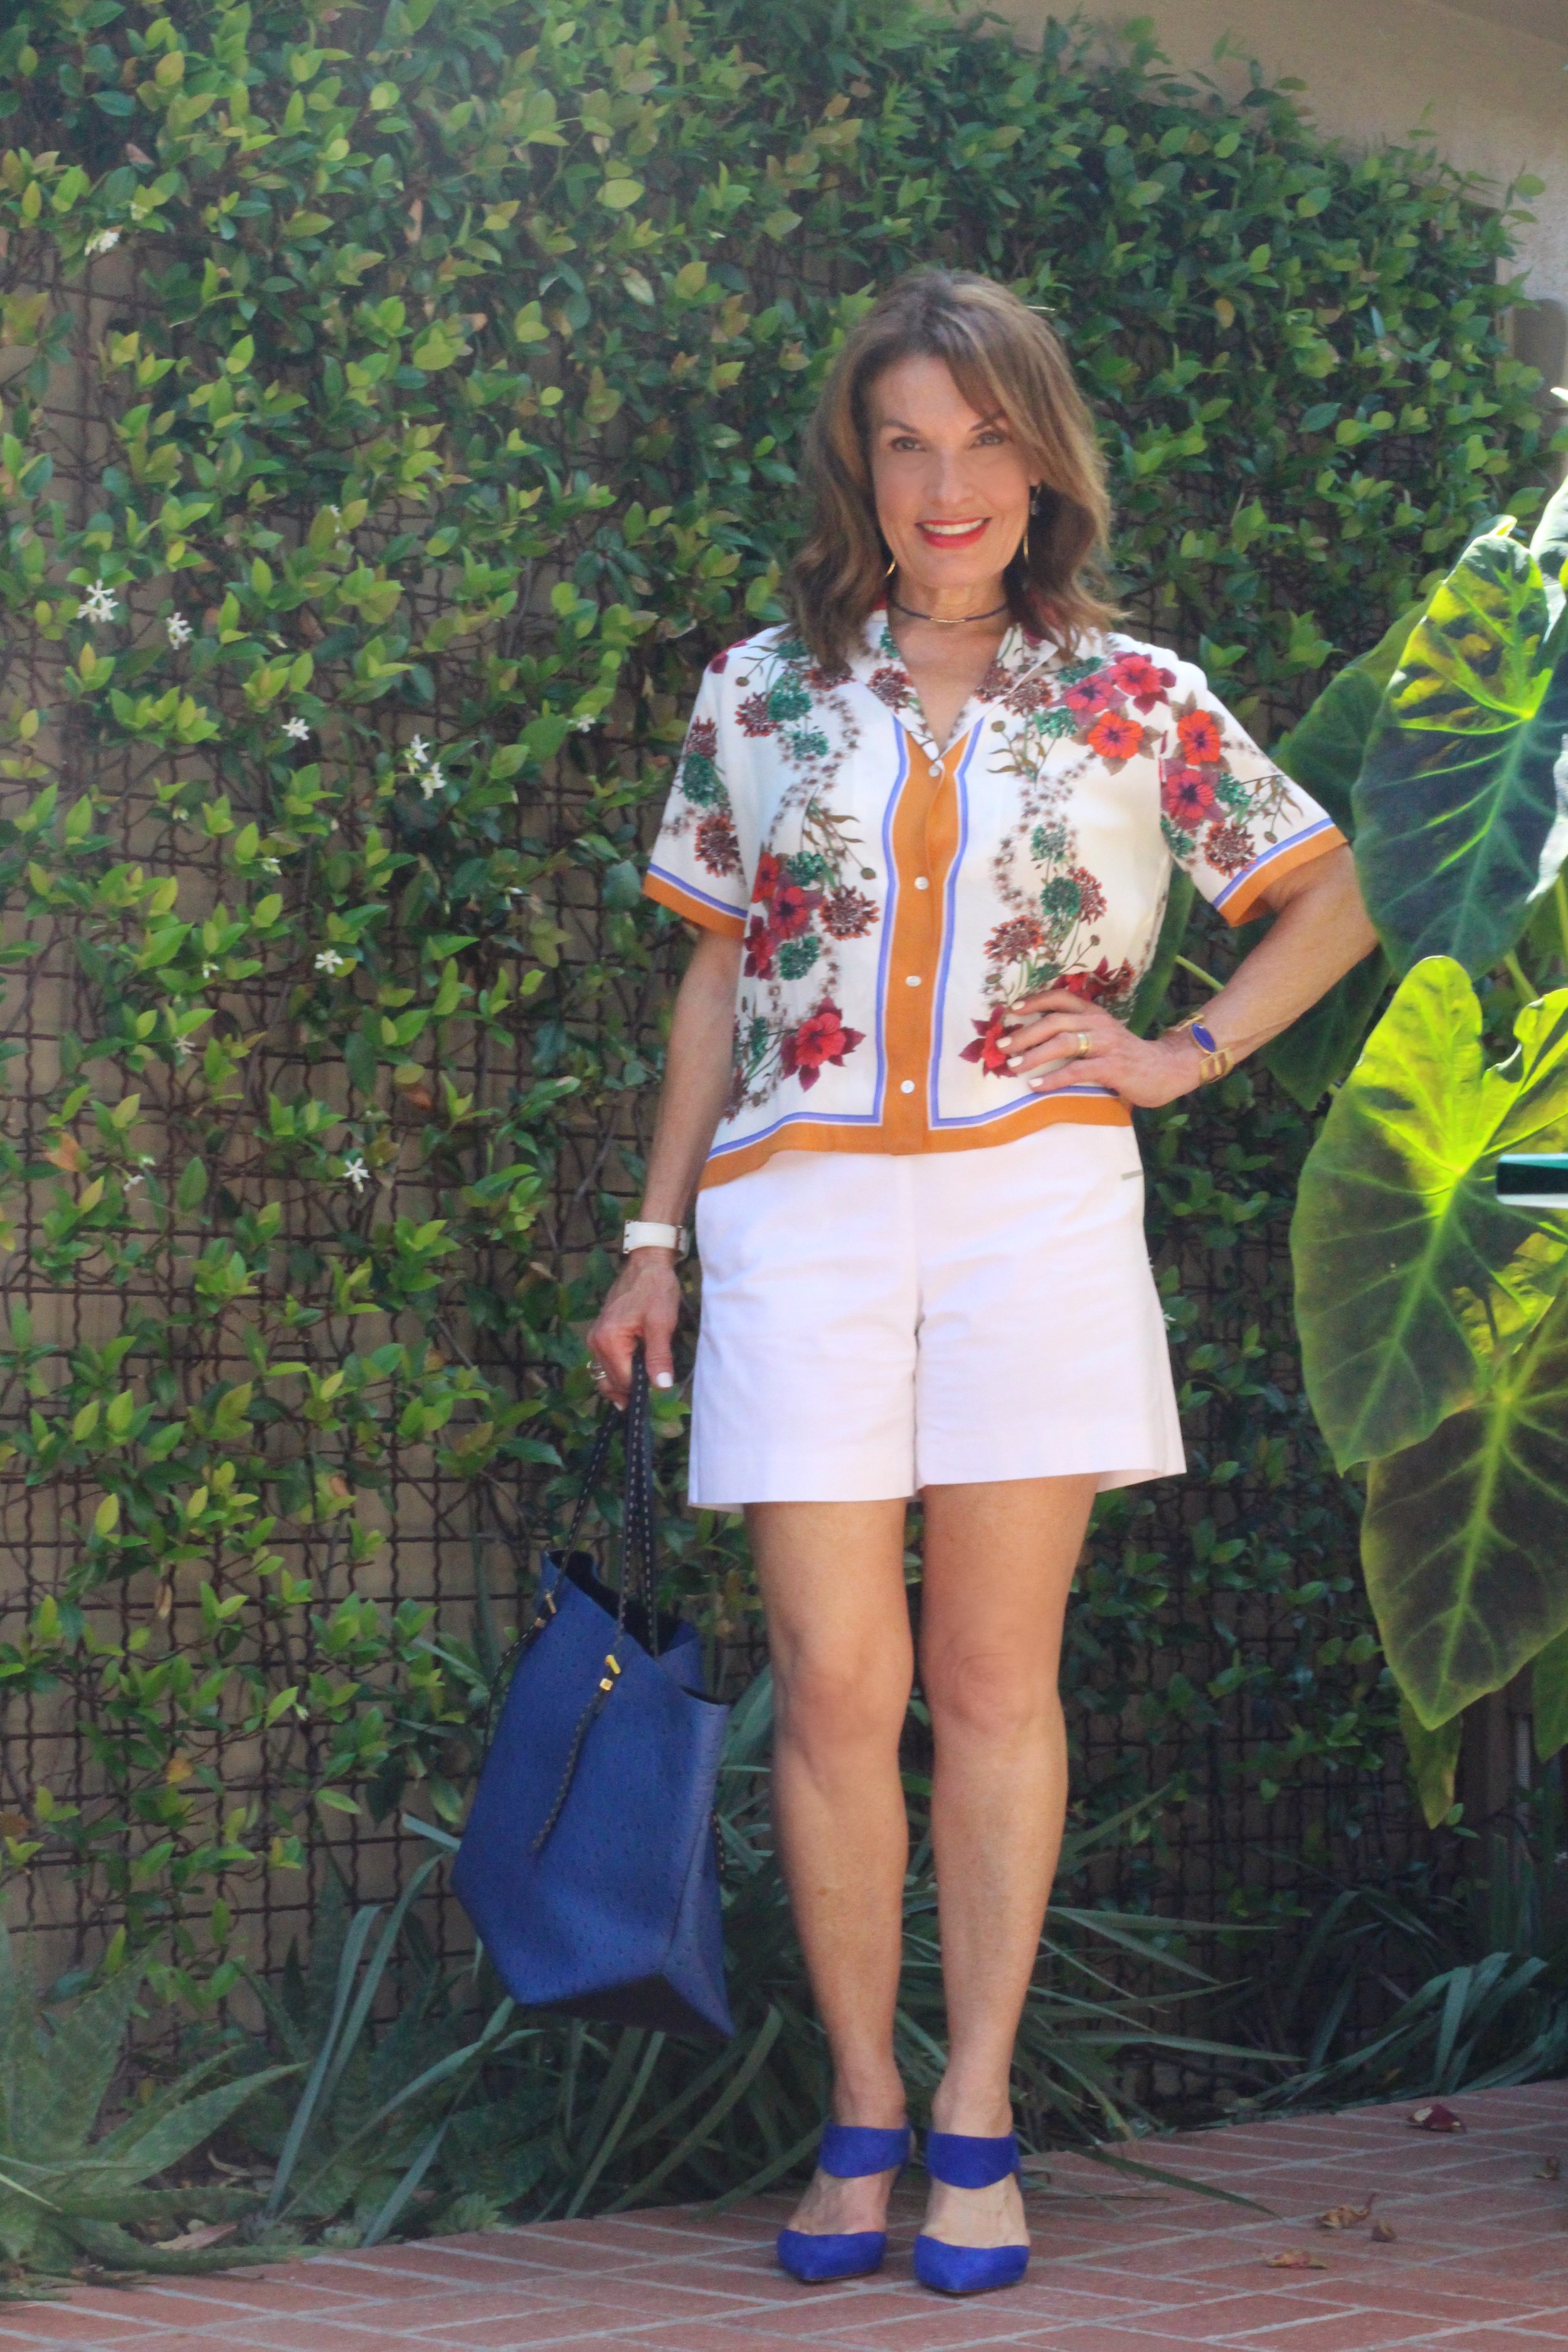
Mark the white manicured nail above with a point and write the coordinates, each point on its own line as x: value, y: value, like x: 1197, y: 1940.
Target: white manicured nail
x: 664, y: 1380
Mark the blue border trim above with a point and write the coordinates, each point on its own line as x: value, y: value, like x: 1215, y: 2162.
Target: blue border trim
x: 950, y: 905
x: 678, y: 882
x: 1026, y: 1102
x: 1292, y: 841
x: 890, y: 912
x: 806, y: 1118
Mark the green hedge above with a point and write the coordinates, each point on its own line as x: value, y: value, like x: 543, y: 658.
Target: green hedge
x: 452, y: 359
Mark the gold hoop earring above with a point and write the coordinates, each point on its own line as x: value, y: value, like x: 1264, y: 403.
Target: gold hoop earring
x: 892, y: 567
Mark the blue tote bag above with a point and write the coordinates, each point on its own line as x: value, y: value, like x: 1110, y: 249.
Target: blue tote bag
x: 590, y: 1862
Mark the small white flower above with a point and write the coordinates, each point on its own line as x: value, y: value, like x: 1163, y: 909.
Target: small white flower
x: 296, y: 729
x: 336, y: 513
x: 356, y: 1173
x: 98, y: 605
x: 104, y: 242
x: 130, y: 1183
x: 331, y: 961
x: 184, y: 1048
x: 418, y: 751
x: 270, y: 864
x: 432, y: 780
x: 179, y: 628
x: 580, y: 726
x: 209, y: 971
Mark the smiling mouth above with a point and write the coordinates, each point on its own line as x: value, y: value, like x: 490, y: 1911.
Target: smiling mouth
x: 952, y: 534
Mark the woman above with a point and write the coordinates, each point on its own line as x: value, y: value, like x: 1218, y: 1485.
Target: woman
x: 925, y: 835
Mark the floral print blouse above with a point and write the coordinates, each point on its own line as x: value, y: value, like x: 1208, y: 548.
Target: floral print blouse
x: 895, y: 898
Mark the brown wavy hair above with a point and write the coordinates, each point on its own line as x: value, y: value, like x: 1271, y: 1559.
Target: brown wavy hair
x: 1006, y: 360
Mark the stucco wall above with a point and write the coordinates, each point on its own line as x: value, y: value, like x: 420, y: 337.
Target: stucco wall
x: 1487, y: 76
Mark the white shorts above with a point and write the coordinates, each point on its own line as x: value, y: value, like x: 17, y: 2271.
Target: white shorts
x: 875, y: 1323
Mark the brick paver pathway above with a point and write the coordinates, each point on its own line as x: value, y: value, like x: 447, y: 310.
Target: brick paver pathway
x: 1478, y: 2263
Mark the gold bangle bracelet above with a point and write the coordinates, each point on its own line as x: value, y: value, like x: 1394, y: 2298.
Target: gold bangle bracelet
x: 1214, y: 1061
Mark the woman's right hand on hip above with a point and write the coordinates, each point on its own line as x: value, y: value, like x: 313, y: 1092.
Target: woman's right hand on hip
x: 644, y: 1303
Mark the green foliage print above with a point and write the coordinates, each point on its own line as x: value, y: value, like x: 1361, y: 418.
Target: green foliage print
x: 398, y: 408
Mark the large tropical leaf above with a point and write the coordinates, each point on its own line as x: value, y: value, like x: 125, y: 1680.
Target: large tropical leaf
x: 1410, y: 1274
x: 1465, y: 1540
x: 1461, y: 805
x: 1434, y: 1760
x: 1324, y: 750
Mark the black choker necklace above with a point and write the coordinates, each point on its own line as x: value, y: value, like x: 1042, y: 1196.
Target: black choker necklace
x: 963, y: 621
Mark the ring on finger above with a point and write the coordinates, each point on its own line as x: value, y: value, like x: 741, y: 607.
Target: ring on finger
x: 1084, y: 1041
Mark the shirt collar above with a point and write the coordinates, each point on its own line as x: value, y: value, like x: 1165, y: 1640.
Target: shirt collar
x: 874, y: 662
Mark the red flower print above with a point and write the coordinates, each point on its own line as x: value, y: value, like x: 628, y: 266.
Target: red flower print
x: 762, y: 945
x: 1142, y: 681
x: 716, y: 844
x: 1199, y: 732
x: 1090, y: 694
x: 1229, y: 848
x: 821, y: 1037
x: 752, y: 715
x: 793, y: 909
x: 1100, y: 985
x: 890, y: 686
x: 1090, y: 897
x: 990, y: 1048
x: 847, y: 914
x: 1036, y: 692
x: 1186, y: 795
x: 1115, y: 736
x: 1010, y: 942
x: 821, y: 680
x: 767, y: 880
x: 719, y: 663
x: 701, y: 739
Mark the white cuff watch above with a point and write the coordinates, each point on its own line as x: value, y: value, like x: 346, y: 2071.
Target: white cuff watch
x: 641, y: 1234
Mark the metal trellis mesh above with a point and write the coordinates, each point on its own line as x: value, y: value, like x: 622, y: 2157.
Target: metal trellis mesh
x: 1220, y: 1842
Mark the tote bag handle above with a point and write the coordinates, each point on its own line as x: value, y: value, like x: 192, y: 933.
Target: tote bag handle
x: 637, y: 1573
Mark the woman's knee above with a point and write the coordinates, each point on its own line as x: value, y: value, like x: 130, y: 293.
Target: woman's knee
x: 990, y: 1692
x: 825, y: 1697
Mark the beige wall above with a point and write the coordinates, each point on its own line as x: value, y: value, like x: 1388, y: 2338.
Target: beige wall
x: 1487, y: 76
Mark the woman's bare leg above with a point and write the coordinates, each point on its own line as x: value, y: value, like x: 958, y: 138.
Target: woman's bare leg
x: 832, y: 1581
x: 999, y: 1562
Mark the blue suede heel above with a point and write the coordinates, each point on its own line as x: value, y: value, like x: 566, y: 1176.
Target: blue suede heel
x: 848, y: 2151
x: 965, y: 2162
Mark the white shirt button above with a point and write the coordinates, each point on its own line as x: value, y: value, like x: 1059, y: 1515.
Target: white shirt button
x: 907, y: 1086
x: 922, y: 882
x: 936, y: 771
x: 912, y: 980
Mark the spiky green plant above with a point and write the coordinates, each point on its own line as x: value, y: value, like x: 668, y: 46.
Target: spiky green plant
x: 73, y: 2195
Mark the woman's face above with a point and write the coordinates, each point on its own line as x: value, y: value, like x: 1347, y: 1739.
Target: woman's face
x: 951, y: 487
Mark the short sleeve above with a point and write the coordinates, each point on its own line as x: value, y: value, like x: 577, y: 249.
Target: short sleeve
x: 1232, y: 819
x: 696, y: 868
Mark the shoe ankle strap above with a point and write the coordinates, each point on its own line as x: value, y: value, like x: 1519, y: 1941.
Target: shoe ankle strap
x: 963, y: 2161
x: 849, y: 2151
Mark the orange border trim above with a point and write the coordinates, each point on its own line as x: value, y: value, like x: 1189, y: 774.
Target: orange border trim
x: 1075, y: 1110
x: 695, y: 910
x: 1236, y: 911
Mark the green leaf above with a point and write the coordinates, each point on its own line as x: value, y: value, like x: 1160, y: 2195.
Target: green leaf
x: 1318, y: 1051
x: 617, y: 194
x: 1549, y: 1698
x: 1433, y: 1757
x: 1410, y: 1274
x: 1460, y: 827
x: 190, y: 1190
x: 1463, y: 1538
x: 1324, y: 750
